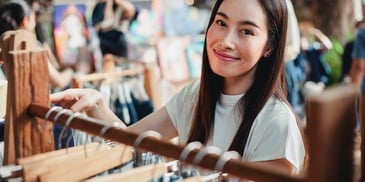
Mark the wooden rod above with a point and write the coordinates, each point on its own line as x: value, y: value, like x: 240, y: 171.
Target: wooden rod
x: 101, y: 76
x: 233, y: 167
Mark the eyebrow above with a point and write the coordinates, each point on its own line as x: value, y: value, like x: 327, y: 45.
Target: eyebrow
x: 245, y: 22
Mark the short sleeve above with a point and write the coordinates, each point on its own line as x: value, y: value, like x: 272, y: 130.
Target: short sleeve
x: 180, y: 109
x: 276, y: 135
x: 359, y: 45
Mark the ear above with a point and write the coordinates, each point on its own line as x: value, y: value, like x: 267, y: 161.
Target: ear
x: 25, y: 21
x: 267, y: 53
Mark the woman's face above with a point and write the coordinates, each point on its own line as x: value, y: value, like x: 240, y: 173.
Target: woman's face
x: 237, y: 39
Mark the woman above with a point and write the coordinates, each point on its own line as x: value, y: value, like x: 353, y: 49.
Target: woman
x: 16, y: 15
x: 107, y: 17
x: 240, y: 101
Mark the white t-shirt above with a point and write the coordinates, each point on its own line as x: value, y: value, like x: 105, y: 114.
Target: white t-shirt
x: 274, y: 133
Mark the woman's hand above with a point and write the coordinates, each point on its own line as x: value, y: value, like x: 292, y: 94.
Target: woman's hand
x: 78, y: 100
x: 89, y: 101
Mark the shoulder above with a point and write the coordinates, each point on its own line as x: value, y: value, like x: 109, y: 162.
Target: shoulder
x: 276, y: 115
x: 275, y: 105
x: 191, y: 89
x: 275, y: 134
x: 186, y: 97
x: 180, y: 109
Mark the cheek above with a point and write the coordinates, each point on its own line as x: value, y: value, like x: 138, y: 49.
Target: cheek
x: 210, y: 36
x: 254, y: 48
x: 250, y: 53
x: 214, y: 33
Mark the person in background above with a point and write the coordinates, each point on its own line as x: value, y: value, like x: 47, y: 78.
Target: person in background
x: 17, y: 15
x: 315, y: 45
x: 38, y: 8
x: 357, y: 71
x: 293, y: 73
x: 347, y: 54
x: 107, y: 18
x: 240, y: 101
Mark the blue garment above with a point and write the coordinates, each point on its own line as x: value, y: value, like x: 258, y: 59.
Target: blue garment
x: 143, y: 107
x: 126, y: 112
x: 293, y: 78
x: 319, y: 69
x: 359, y: 52
x: 112, y: 41
x: 359, y: 49
x: 57, y: 129
x: 137, y: 109
x: 359, y: 45
x: 2, y: 130
x: 347, y: 59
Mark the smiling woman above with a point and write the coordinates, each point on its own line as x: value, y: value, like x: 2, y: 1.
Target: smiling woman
x: 240, y: 101
x: 236, y: 40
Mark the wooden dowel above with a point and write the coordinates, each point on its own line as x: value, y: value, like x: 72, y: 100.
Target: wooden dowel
x: 166, y: 148
x: 100, y: 76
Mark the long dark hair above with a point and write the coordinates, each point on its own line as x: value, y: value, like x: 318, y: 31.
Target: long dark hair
x: 269, y: 80
x: 12, y: 14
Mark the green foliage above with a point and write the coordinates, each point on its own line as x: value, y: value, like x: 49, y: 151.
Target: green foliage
x: 333, y: 57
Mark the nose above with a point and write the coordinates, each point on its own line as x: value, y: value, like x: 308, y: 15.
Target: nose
x: 228, y: 40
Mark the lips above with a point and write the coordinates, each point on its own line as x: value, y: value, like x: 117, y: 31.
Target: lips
x: 225, y: 57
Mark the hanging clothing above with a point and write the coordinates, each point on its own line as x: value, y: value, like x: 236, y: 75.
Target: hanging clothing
x: 127, y: 99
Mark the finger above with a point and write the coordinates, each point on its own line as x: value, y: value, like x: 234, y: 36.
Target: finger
x: 61, y: 96
x: 86, y: 102
x: 67, y: 95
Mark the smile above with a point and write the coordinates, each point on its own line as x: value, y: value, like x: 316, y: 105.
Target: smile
x: 225, y: 57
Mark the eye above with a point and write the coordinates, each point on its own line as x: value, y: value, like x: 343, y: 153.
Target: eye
x: 220, y: 23
x: 247, y: 32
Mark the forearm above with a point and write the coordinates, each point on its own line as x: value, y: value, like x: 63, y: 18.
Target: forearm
x: 59, y: 79
x: 102, y: 112
x: 128, y: 8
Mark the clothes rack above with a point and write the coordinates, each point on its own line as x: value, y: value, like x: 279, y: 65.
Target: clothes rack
x: 78, y: 80
x: 161, y: 147
x: 138, y: 69
x: 330, y: 128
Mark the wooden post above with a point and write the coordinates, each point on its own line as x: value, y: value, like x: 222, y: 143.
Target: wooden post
x: 28, y: 82
x: 331, y: 124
